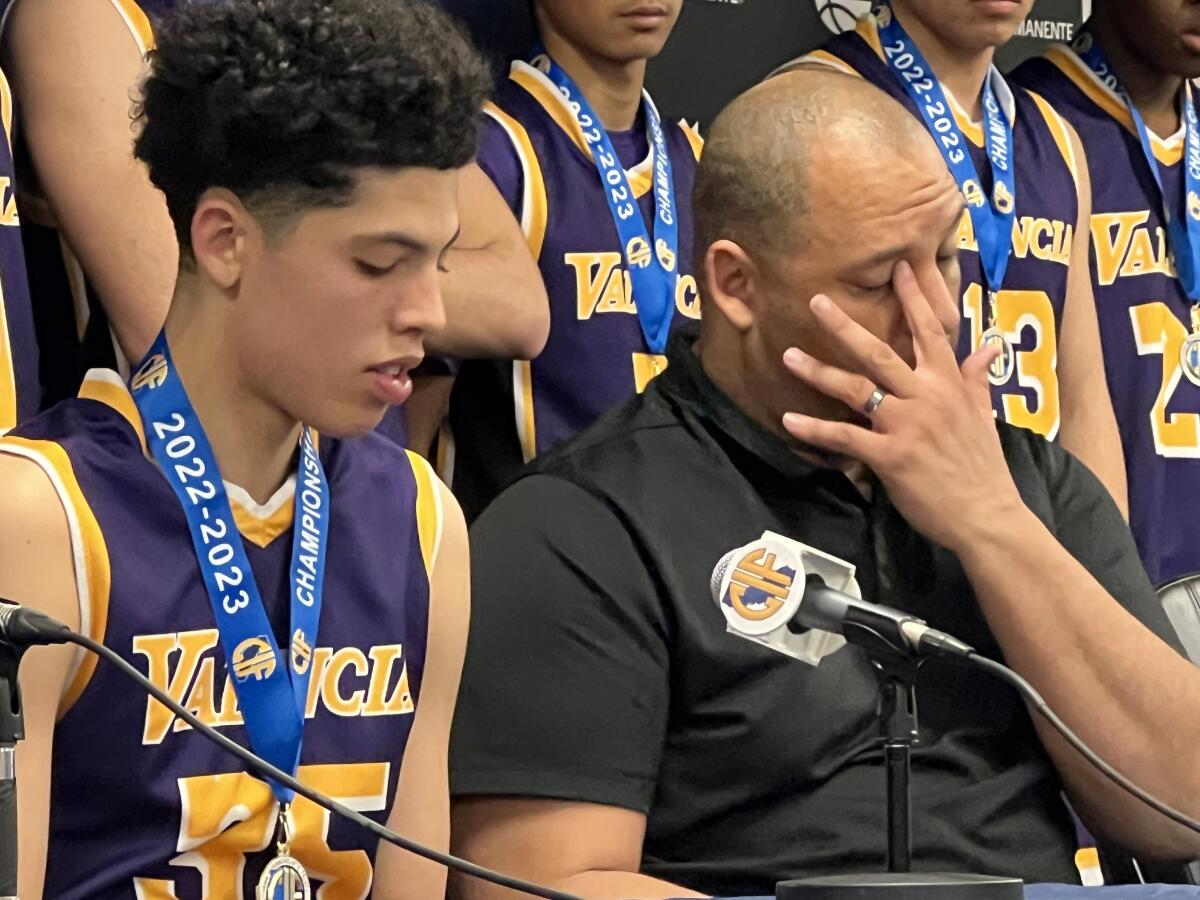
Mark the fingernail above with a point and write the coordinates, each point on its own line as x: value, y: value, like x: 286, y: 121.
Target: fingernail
x: 821, y: 303
x: 793, y: 356
x: 903, y: 268
x: 793, y: 420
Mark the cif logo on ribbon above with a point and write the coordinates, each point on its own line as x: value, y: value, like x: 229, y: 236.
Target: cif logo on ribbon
x: 665, y: 257
x: 757, y: 588
x: 637, y: 251
x: 301, y: 652
x: 1002, y: 199
x: 152, y: 373
x: 253, y: 658
x: 840, y: 15
x: 973, y: 193
x: 1193, y: 205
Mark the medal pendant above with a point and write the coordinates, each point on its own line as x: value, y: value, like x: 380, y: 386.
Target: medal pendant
x: 1001, y: 369
x: 1189, y: 358
x: 283, y: 879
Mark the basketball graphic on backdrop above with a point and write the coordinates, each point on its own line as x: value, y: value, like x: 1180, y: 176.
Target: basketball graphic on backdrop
x: 840, y: 15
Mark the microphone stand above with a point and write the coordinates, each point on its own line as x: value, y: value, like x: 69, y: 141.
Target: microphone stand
x: 896, y: 667
x: 12, y: 729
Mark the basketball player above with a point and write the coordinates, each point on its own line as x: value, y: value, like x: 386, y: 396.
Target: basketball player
x: 310, y: 154
x: 602, y: 188
x: 1123, y: 86
x: 103, y: 250
x: 1023, y: 241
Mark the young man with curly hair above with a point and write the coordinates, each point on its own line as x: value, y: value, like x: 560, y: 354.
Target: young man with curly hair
x: 211, y: 520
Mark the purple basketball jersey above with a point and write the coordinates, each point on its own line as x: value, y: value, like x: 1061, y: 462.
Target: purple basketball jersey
x: 596, y: 357
x: 141, y: 805
x: 1030, y: 303
x: 1143, y: 311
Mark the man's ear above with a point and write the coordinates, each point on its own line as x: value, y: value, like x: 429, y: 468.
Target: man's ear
x: 733, y: 283
x: 223, y: 231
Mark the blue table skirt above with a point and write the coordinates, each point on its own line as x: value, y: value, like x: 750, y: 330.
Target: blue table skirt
x: 1068, y: 892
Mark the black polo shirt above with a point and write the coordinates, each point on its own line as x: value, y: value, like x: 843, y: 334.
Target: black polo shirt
x: 599, y: 669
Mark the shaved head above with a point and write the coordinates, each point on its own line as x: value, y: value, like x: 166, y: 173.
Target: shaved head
x: 770, y: 144
x: 816, y: 182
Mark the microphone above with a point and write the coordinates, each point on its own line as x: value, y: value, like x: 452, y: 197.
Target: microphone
x: 800, y: 601
x: 21, y: 628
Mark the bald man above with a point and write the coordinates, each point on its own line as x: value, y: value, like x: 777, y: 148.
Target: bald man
x: 614, y: 741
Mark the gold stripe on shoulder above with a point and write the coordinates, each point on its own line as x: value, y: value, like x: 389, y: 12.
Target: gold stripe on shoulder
x: 548, y: 98
x: 428, y: 509
x: 138, y: 24
x: 107, y: 387
x: 1061, y: 131
x: 93, y: 572
x: 6, y: 109
x: 1167, y: 152
x: 868, y: 30
x: 534, y: 205
x: 695, y: 139
x: 825, y: 59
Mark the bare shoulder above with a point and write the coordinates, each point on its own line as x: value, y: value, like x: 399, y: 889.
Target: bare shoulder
x: 36, y: 558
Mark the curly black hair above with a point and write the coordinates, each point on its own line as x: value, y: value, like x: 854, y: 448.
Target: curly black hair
x: 277, y: 99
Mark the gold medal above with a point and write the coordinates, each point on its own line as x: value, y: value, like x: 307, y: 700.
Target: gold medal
x: 1189, y: 353
x: 1001, y: 368
x: 283, y: 878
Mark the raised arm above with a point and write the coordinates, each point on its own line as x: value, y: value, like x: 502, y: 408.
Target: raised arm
x: 1097, y: 652
x: 421, y: 810
x: 75, y: 65
x: 1089, y: 425
x: 495, y: 300
x: 36, y: 570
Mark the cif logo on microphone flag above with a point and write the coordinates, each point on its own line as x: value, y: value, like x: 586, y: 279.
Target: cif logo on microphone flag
x: 760, y: 590
x: 757, y: 591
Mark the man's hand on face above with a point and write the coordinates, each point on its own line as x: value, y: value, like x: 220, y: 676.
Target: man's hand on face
x: 932, y: 441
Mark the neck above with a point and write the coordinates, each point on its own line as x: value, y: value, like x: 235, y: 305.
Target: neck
x: 961, y: 70
x: 253, y: 441
x: 1154, y: 92
x: 612, y: 87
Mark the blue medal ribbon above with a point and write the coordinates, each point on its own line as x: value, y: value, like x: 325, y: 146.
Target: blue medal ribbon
x: 651, y: 268
x: 992, y: 217
x: 1183, y: 234
x: 272, y: 690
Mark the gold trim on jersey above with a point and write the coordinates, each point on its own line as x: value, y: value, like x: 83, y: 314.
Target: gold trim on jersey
x: 1168, y: 151
x: 6, y: 109
x: 106, y: 386
x: 819, y: 57
x: 261, y: 531
x: 534, y: 205
x: 138, y: 24
x: 428, y: 508
x: 93, y: 572
x: 8, y: 374
x: 523, y: 407
x: 542, y: 89
x: 695, y: 139
x: 1061, y: 131
x: 868, y: 29
x: 260, y: 527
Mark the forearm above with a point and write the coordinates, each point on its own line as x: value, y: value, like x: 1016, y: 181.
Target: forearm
x: 496, y: 305
x: 1117, y: 685
x: 592, y: 885
x: 622, y: 886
